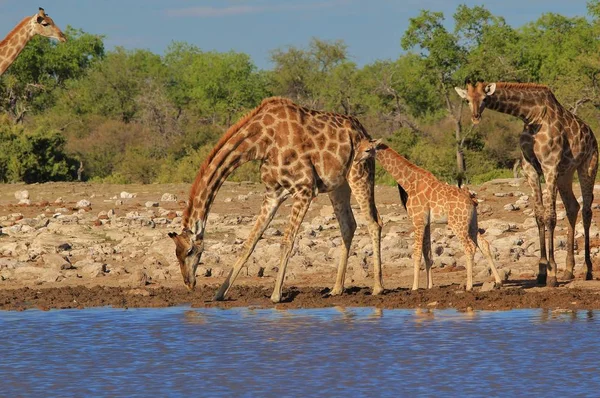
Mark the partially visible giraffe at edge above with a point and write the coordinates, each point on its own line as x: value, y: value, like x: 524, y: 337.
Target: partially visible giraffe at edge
x: 303, y: 152
x: 428, y: 200
x: 38, y: 24
x: 555, y: 143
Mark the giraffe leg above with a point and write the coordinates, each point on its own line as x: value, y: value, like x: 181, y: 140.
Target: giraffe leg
x: 364, y: 192
x: 302, y: 200
x: 419, y: 225
x: 587, y: 176
x: 469, y: 247
x: 484, y: 246
x: 565, y: 189
x: 271, y: 203
x: 533, y: 179
x: 550, y: 221
x: 340, y: 199
x: 427, y: 255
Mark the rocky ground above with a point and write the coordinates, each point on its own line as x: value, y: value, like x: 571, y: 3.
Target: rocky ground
x: 72, y: 245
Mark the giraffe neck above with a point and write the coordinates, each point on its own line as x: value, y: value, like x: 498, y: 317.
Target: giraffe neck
x: 527, y: 102
x: 14, y: 42
x: 229, y: 154
x: 403, y: 171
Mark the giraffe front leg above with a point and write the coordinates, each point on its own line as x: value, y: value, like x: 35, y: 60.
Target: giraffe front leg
x: 484, y: 246
x: 565, y: 189
x: 271, y: 203
x: 302, y: 200
x: 361, y: 182
x: 550, y: 221
x: 417, y: 250
x: 340, y: 199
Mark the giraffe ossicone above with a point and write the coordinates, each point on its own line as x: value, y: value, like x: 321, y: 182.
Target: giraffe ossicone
x: 428, y: 200
x: 303, y: 152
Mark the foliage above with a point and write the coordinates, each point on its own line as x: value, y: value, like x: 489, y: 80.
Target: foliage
x: 137, y: 116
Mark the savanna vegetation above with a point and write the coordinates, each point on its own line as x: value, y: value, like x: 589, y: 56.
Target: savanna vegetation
x: 136, y: 116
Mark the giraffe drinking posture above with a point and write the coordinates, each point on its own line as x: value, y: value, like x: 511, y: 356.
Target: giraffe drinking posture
x: 15, y: 41
x: 555, y: 143
x: 303, y: 152
x: 428, y: 200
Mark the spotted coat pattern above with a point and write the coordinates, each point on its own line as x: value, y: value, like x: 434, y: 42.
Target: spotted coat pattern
x: 303, y: 152
x: 555, y: 143
x: 430, y: 200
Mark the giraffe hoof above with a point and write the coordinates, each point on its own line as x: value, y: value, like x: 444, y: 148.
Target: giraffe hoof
x: 377, y: 291
x: 588, y: 276
x: 568, y: 275
x: 541, y: 279
x: 336, y: 292
x: 552, y: 282
x: 275, y: 298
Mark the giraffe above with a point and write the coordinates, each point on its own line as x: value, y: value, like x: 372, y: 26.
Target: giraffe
x: 554, y: 143
x: 303, y: 152
x: 427, y: 200
x: 15, y: 41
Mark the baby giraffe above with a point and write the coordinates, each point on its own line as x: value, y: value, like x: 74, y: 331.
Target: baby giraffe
x: 428, y: 200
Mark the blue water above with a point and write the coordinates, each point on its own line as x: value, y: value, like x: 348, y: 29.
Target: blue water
x: 317, y: 352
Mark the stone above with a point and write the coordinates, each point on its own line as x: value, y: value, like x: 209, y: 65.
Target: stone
x: 127, y: 195
x: 168, y: 197
x: 140, y: 278
x: 151, y: 204
x: 20, y: 195
x: 487, y: 287
x: 25, y: 202
x: 83, y: 203
x: 56, y: 261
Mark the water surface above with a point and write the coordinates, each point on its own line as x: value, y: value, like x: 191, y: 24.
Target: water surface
x: 314, y: 352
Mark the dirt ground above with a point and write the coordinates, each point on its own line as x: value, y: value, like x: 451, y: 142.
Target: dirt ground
x: 303, y: 290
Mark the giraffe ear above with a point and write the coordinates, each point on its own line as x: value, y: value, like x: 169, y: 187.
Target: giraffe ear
x: 461, y: 92
x: 490, y: 88
x: 376, y: 144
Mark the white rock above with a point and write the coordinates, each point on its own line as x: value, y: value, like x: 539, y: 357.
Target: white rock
x: 127, y: 195
x: 20, y: 195
x: 83, y: 203
x: 26, y: 202
x: 168, y: 197
x: 151, y: 204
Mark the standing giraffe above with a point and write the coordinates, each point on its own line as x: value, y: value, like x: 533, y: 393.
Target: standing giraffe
x: 15, y: 41
x: 303, y: 152
x: 555, y: 143
x: 427, y: 200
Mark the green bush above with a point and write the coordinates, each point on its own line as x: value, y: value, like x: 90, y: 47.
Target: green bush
x: 33, y: 156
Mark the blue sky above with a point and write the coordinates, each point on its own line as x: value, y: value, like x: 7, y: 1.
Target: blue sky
x: 372, y: 29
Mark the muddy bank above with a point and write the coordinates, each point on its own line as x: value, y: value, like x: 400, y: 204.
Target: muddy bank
x: 518, y: 295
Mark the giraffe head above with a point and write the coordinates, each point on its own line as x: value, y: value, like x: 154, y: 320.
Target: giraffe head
x: 43, y: 25
x: 476, y: 95
x: 366, y: 149
x: 188, y: 251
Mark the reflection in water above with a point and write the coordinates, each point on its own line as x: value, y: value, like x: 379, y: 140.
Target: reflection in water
x: 319, y: 352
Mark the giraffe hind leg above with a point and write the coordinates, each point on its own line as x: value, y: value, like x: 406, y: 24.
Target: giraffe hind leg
x: 587, y: 176
x: 340, y: 199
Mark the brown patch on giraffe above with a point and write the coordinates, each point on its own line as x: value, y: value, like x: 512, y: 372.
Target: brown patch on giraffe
x: 268, y: 120
x: 288, y: 157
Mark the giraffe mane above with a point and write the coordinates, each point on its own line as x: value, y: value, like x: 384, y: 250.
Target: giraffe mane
x: 13, y: 32
x: 531, y: 86
x: 228, y: 134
